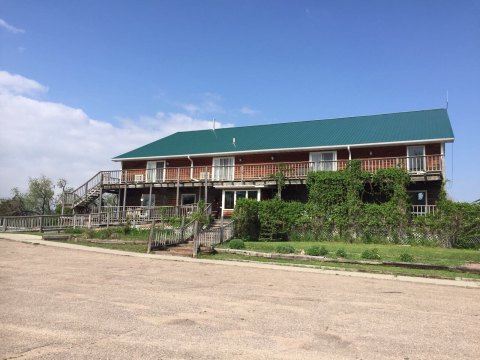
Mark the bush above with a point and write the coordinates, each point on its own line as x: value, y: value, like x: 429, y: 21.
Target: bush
x: 323, y: 251
x: 371, y: 254
x: 73, y: 231
x: 341, y: 253
x: 406, y: 257
x: 313, y: 250
x: 90, y: 234
x: 236, y: 244
x: 247, y: 224
x: 284, y: 249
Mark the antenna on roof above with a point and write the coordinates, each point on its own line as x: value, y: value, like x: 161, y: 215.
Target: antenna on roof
x: 213, y: 124
x: 446, y: 107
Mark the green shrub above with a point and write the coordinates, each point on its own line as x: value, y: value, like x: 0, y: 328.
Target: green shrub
x: 236, y: 244
x: 323, y: 251
x: 341, y: 253
x: 284, y: 249
x: 371, y: 254
x: 90, y: 234
x: 73, y: 231
x: 406, y: 257
x: 277, y: 218
x: 314, y: 250
x: 247, y: 223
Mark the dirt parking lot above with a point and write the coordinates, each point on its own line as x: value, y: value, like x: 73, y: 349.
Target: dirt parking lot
x: 67, y: 304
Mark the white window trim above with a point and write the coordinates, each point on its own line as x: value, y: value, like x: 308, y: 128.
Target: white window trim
x: 233, y: 167
x: 259, y: 192
x: 424, y: 157
x: 334, y: 152
x: 147, y: 172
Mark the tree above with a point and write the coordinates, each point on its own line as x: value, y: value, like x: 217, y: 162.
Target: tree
x: 61, y: 198
x: 40, y: 195
x: 15, y: 206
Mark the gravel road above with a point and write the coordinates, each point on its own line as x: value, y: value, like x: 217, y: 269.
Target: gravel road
x: 60, y: 303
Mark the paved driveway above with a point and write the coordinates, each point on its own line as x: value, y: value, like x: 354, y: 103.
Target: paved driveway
x: 67, y: 304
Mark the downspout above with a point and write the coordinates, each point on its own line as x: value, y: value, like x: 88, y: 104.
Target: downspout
x: 191, y: 167
x: 349, y: 153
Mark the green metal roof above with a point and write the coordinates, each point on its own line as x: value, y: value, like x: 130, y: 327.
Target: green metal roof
x: 385, y: 128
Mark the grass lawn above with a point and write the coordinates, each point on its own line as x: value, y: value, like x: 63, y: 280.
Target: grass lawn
x: 140, y: 248
x: 352, y: 267
x: 421, y: 254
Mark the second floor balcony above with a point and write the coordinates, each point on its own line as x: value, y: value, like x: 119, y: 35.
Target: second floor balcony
x: 416, y: 166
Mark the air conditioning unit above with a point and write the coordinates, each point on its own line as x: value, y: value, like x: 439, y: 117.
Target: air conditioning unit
x: 204, y: 175
x: 139, y: 178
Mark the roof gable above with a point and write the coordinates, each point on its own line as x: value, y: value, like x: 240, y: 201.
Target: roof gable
x: 385, y: 128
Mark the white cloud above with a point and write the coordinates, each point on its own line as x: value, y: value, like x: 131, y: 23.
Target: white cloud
x: 10, y: 28
x: 40, y: 137
x: 16, y: 84
x: 249, y: 111
x: 210, y: 104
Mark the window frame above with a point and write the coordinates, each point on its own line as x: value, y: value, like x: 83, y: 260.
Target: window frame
x: 320, y: 165
x: 226, y: 172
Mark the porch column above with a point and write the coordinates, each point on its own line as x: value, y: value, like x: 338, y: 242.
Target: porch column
x: 124, y: 199
x: 150, y: 198
x: 206, y: 186
x: 178, y: 188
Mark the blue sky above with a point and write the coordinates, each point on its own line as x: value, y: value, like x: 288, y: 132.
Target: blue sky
x: 139, y: 65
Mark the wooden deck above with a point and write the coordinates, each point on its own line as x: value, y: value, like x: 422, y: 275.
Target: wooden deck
x: 429, y: 167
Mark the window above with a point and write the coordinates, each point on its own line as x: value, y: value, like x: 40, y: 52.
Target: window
x: 223, y: 168
x: 416, y: 158
x: 155, y: 171
x: 146, y: 200
x: 324, y: 161
x: 418, y: 199
x: 230, y: 197
x: 229, y: 202
x: 188, y: 199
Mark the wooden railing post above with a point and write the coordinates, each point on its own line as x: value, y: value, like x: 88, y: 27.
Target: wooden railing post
x: 4, y: 224
x: 108, y: 219
x: 89, y: 221
x: 150, y: 237
x: 221, y: 231
x: 182, y: 229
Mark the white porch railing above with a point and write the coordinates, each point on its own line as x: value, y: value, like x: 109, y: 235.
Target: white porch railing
x: 423, y: 209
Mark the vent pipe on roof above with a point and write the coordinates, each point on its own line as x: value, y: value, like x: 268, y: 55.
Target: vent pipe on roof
x: 233, y: 142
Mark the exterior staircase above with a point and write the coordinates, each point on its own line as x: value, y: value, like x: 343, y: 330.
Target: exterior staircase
x: 86, y: 193
x: 184, y: 249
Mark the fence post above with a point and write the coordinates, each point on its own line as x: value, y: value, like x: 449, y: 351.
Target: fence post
x: 182, y: 229
x: 4, y: 224
x: 108, y: 219
x: 221, y: 231
x: 41, y: 223
x: 74, y: 220
x: 89, y: 221
x: 150, y: 237
x: 195, y: 238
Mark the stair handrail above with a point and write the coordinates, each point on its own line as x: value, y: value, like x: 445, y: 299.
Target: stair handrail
x: 82, y: 190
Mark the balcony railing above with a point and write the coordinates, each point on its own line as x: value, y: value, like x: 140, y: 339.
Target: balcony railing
x: 429, y: 164
x: 246, y: 172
